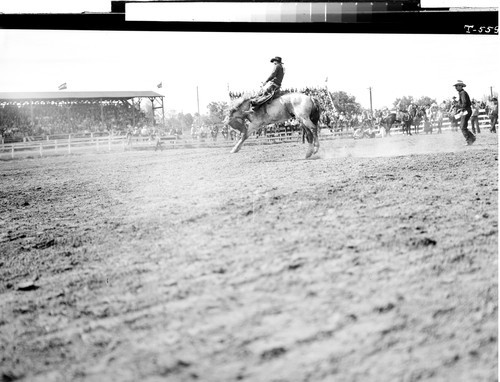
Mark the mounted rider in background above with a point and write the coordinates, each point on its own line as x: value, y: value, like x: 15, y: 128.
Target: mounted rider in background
x: 271, y: 85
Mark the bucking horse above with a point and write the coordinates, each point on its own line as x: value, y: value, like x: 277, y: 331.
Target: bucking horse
x: 391, y: 119
x: 305, y: 109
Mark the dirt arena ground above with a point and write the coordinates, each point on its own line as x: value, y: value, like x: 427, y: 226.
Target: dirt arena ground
x: 375, y: 261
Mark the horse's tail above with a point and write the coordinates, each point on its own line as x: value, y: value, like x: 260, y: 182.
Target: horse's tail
x: 315, y: 111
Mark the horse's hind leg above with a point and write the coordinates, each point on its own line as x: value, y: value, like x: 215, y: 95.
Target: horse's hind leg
x: 310, y: 141
x: 316, y: 140
x: 311, y: 131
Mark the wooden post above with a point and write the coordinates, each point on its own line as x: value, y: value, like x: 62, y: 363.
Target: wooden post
x: 12, y: 152
x: 109, y: 142
x: 153, y: 110
x: 31, y: 114
x: 97, y: 143
x: 69, y: 144
x: 102, y: 113
x: 133, y: 113
x: 162, y: 114
x: 41, y: 150
x: 55, y: 145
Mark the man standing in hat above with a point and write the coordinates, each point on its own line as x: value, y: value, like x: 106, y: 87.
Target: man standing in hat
x: 464, y: 107
x: 494, y: 115
x: 474, y: 119
x: 273, y: 83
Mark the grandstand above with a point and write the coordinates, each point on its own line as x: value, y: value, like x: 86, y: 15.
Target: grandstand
x: 23, y: 114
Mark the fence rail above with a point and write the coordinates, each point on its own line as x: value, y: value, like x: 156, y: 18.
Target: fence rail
x: 70, y: 145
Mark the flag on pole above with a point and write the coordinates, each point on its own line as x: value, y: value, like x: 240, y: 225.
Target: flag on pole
x: 159, y: 85
x: 63, y: 86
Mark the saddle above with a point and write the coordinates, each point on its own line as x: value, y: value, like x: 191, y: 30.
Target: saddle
x: 262, y: 99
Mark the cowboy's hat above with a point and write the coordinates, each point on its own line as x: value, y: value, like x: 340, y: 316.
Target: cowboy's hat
x: 461, y: 83
x: 277, y: 59
x: 494, y: 99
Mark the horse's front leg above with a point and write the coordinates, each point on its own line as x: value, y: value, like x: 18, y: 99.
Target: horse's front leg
x: 245, y: 134
x: 238, y: 145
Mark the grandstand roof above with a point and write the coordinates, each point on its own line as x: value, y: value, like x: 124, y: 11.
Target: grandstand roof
x: 62, y: 95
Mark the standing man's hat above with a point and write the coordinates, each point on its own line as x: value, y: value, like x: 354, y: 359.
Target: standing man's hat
x: 460, y: 83
x: 277, y: 59
x: 494, y: 99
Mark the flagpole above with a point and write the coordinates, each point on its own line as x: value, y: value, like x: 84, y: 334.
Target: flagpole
x: 329, y: 95
x: 371, y: 106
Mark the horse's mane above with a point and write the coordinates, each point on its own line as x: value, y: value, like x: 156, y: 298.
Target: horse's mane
x: 241, y: 98
x: 237, y: 102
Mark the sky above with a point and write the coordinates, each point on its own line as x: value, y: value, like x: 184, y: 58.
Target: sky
x: 392, y: 65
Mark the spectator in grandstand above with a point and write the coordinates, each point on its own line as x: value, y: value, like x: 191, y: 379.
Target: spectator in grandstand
x: 272, y: 84
x: 465, y: 110
x: 474, y: 119
x: 494, y: 115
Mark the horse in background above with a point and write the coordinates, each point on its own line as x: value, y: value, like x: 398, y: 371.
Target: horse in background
x: 418, y: 118
x: 407, y: 121
x: 305, y: 109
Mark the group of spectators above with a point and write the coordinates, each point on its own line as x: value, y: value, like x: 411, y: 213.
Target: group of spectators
x: 21, y: 120
x: 431, y: 115
x: 18, y: 121
x: 212, y: 131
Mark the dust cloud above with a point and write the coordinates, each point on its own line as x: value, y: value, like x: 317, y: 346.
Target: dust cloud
x: 397, y: 145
